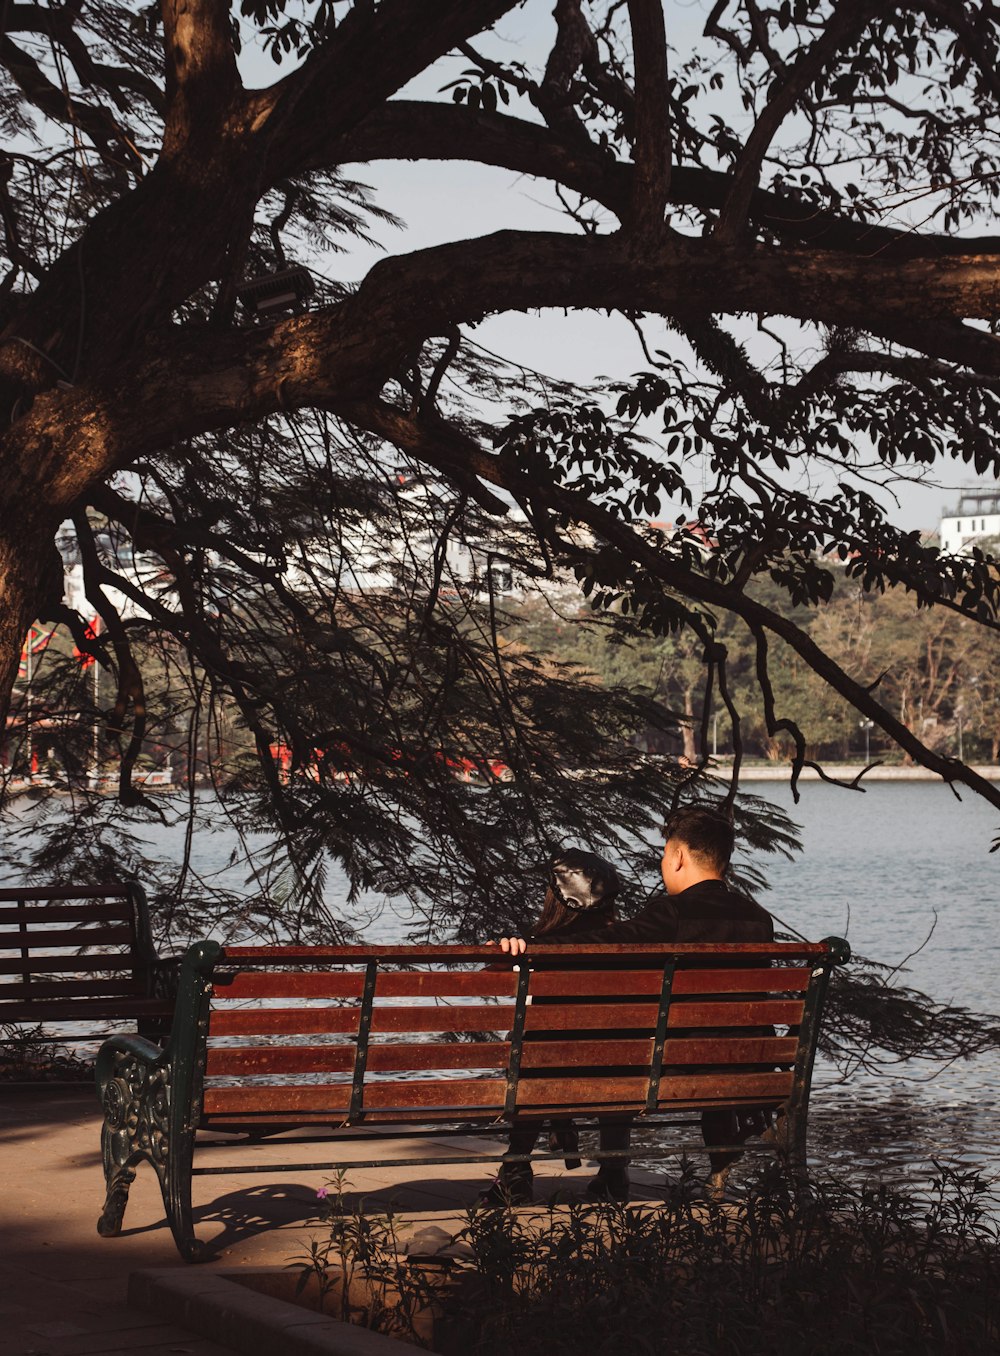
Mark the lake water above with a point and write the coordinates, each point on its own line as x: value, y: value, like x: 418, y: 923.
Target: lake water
x: 902, y: 865
x: 888, y: 869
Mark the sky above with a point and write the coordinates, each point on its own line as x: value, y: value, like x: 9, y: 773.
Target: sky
x: 445, y: 201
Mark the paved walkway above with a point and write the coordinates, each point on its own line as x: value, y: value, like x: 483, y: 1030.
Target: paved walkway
x: 62, y: 1287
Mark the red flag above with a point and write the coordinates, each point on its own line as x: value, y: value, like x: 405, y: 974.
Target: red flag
x: 92, y: 630
x: 35, y: 644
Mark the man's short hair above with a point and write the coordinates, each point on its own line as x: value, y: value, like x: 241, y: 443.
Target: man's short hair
x: 707, y: 833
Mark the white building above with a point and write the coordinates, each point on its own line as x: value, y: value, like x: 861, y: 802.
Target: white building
x: 365, y: 555
x: 142, y: 570
x: 976, y: 519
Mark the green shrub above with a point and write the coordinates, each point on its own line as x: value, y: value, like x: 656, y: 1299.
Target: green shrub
x: 838, y: 1270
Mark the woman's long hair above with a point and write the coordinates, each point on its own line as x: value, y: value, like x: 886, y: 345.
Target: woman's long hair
x: 557, y: 917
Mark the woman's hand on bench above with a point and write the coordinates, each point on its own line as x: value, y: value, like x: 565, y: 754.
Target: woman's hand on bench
x: 514, y: 946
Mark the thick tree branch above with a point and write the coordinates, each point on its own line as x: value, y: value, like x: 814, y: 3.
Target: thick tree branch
x: 574, y: 43
x: 367, y: 59
x: 847, y: 21
x: 651, y: 149
x: 405, y: 129
x: 202, y: 81
x: 191, y: 380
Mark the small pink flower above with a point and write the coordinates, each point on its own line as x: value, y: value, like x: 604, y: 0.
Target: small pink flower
x: 322, y: 1194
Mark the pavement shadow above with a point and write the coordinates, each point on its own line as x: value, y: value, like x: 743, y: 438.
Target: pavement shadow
x: 248, y: 1212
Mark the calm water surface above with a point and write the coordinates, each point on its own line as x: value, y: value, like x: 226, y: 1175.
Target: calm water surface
x: 901, y: 865
x: 897, y: 867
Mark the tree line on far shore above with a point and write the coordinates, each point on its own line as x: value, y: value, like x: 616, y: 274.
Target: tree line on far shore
x: 936, y: 669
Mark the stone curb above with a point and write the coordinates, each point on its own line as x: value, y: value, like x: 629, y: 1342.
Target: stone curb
x: 237, y: 1317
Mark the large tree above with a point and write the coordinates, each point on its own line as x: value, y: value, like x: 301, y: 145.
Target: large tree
x: 810, y: 174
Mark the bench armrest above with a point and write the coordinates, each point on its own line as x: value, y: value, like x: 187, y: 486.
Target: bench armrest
x: 839, y: 950
x: 142, y: 1051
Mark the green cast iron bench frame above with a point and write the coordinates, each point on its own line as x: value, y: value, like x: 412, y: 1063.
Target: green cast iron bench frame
x: 267, y: 1039
x: 75, y: 958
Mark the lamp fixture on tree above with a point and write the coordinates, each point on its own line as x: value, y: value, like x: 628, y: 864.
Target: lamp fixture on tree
x: 272, y: 293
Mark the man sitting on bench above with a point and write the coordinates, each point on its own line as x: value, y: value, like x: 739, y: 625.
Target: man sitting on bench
x: 698, y: 907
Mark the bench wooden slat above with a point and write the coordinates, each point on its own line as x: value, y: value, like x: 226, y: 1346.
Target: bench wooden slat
x: 37, y: 964
x: 568, y: 983
x: 334, y: 1099
x: 778, y: 979
x: 53, y: 989
x: 286, y: 1059
x: 81, y: 1010
x: 601, y: 1016
x: 446, y: 984
x: 282, y: 1021
x: 20, y: 893
x: 280, y: 984
x: 317, y: 1059
x: 233, y: 1061
x: 310, y: 1021
x: 476, y: 1017
x: 693, y: 1050
x: 76, y: 937
x: 724, y: 1087
x: 486, y: 1094
x: 765, y: 1012
x: 64, y: 913
x: 481, y: 1093
x: 555, y: 983
x: 390, y: 984
x: 442, y: 1017
x: 598, y: 1092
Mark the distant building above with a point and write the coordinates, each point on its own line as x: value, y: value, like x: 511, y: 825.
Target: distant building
x: 404, y: 550
x: 976, y: 519
x: 142, y: 570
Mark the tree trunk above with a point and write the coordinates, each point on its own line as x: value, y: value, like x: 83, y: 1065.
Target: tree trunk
x: 30, y: 573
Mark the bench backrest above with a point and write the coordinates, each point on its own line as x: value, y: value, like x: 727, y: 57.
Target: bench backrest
x: 363, y: 1035
x: 67, y: 944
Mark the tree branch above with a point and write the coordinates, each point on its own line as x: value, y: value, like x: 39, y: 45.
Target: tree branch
x: 370, y: 56
x: 406, y: 129
x: 113, y: 144
x: 202, y: 80
x: 554, y: 98
x: 651, y: 149
x: 59, y: 26
x: 664, y: 566
x: 191, y: 380
x: 848, y: 19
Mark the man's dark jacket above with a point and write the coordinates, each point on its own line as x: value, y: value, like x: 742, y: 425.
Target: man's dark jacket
x: 706, y: 912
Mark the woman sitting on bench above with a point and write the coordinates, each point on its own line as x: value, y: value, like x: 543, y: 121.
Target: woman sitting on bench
x: 581, y: 895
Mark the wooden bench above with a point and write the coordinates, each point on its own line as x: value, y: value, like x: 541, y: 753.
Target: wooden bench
x: 75, y: 958
x: 267, y: 1039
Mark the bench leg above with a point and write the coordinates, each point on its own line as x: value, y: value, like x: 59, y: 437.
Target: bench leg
x: 790, y: 1131
x: 788, y: 1134
x: 119, y: 1174
x: 131, y: 1098
x: 175, y: 1183
x: 137, y: 1128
